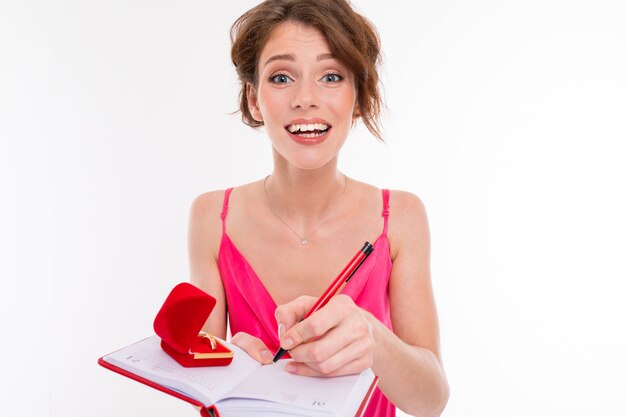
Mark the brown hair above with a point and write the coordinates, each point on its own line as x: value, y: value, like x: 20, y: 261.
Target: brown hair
x: 350, y: 36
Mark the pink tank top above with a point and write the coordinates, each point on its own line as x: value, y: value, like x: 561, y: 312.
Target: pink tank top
x: 251, y: 308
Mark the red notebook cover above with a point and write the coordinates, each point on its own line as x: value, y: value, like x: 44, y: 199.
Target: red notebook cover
x: 205, y: 411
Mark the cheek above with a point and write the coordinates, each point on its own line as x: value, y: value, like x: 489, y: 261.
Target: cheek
x: 344, y: 105
x: 270, y: 104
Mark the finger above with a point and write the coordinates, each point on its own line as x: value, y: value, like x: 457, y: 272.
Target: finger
x: 253, y: 346
x: 328, y: 361
x: 318, y: 323
x: 332, y: 342
x: 287, y: 315
x: 294, y: 311
x: 355, y: 366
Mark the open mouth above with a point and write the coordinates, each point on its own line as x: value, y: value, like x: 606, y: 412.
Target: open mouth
x: 308, y: 131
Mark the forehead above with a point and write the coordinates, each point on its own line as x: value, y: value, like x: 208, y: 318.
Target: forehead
x: 294, y: 38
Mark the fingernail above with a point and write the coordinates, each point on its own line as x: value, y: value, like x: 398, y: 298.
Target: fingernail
x: 281, y: 330
x: 291, y: 367
x: 266, y: 356
x: 287, y: 344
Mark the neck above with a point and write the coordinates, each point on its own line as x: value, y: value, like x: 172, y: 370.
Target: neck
x: 305, y: 197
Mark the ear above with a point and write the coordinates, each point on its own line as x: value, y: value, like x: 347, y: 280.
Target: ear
x: 253, y: 103
x: 356, y: 113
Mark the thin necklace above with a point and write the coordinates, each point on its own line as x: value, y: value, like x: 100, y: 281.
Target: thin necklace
x: 304, y: 240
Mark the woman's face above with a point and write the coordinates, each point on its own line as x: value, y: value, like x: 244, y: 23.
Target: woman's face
x: 305, y: 96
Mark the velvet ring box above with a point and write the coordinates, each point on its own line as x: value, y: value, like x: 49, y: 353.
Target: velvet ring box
x: 179, y: 324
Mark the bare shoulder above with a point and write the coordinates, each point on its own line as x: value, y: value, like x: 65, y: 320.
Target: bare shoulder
x: 205, y: 220
x: 207, y: 206
x: 408, y: 222
x: 407, y: 205
x: 208, y: 201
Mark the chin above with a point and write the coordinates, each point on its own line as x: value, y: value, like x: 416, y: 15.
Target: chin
x: 310, y: 163
x: 307, y: 157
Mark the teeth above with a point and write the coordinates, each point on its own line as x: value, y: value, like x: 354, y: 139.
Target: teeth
x: 310, y: 135
x: 307, y: 128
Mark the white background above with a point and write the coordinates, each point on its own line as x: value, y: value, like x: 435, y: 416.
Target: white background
x: 505, y: 117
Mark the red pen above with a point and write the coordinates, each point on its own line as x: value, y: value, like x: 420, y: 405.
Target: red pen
x: 338, y: 283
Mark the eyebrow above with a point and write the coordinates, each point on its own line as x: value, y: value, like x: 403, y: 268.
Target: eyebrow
x: 290, y: 57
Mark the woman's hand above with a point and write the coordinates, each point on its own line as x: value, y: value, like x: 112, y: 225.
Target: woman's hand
x: 253, y: 347
x: 335, y: 340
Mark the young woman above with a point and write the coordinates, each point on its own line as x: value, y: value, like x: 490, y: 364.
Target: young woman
x: 267, y: 250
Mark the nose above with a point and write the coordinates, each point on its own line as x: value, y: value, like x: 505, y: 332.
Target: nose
x: 305, y: 96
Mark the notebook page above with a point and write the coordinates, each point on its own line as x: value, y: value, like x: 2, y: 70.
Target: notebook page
x: 248, y: 407
x: 206, y: 384
x: 274, y: 383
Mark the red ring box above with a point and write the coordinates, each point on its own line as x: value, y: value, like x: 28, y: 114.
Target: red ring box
x: 179, y: 324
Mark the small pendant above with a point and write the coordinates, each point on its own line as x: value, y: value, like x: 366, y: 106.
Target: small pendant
x: 304, y: 241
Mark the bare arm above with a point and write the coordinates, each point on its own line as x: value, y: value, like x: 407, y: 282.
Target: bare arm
x: 205, y: 231
x: 203, y: 243
x: 408, y: 363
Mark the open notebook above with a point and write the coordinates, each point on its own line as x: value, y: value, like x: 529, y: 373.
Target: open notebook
x: 245, y: 387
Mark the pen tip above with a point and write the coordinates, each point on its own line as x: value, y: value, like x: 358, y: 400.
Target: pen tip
x: 281, y: 352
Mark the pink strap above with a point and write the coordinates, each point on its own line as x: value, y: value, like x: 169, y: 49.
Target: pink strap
x: 225, y: 208
x: 385, y: 212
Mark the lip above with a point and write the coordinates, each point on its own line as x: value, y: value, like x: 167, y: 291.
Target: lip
x: 308, y: 141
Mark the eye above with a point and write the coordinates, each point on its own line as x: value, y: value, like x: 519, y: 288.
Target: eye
x: 332, y: 78
x: 280, y: 79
